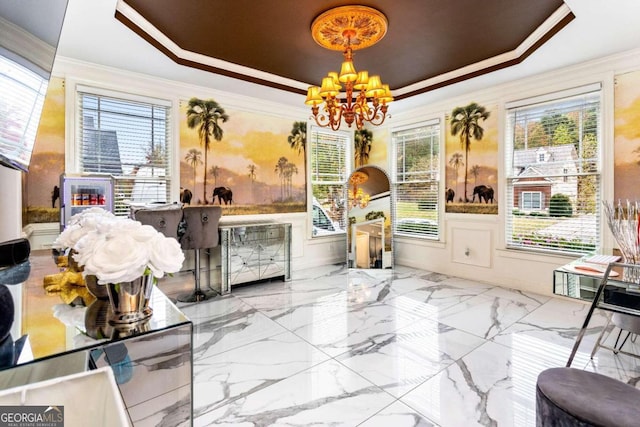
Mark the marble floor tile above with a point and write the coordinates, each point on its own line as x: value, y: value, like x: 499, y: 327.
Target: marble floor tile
x: 398, y: 415
x: 486, y: 315
x: 434, y: 297
x: 307, y: 312
x: 485, y: 387
x: 554, y: 326
x: 401, y: 361
x: 224, y: 323
x: 326, y: 394
x: 222, y: 378
x: 356, y: 330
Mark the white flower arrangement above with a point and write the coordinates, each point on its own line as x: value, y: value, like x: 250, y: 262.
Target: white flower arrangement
x: 117, y: 250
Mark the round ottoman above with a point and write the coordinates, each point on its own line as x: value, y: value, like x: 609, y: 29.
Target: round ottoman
x: 572, y: 397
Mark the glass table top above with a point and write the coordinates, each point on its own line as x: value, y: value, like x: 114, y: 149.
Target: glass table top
x: 51, y: 328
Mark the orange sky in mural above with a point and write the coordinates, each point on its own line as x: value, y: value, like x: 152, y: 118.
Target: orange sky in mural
x: 627, y: 118
x: 248, y: 139
x: 483, y: 152
x: 379, y: 149
x: 50, y: 136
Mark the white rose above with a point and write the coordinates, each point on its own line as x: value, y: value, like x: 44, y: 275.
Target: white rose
x: 86, y: 246
x: 82, y: 224
x: 118, y: 258
x: 69, y: 237
x: 165, y: 255
x: 87, y: 213
x: 142, y: 233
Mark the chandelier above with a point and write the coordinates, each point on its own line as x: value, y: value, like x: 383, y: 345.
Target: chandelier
x: 357, y: 196
x: 348, y: 28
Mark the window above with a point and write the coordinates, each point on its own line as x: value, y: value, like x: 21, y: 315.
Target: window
x: 531, y: 200
x: 128, y: 139
x: 329, y: 166
x: 416, y: 176
x: 21, y: 103
x: 555, y: 205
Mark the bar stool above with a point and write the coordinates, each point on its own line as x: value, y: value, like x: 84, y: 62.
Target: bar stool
x: 201, y: 233
x: 164, y: 219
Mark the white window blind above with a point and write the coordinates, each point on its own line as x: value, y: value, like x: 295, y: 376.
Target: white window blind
x: 23, y: 93
x: 417, y: 181
x: 128, y: 139
x: 553, y: 168
x: 329, y: 166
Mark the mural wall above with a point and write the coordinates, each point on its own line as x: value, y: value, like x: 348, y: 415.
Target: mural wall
x: 471, y: 147
x: 47, y: 160
x: 261, y: 158
x: 257, y: 165
x: 379, y: 153
x: 627, y: 136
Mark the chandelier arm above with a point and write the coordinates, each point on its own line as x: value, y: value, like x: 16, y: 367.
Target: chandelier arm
x: 336, y: 118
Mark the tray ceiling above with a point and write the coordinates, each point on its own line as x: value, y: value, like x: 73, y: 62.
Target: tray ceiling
x: 429, y: 43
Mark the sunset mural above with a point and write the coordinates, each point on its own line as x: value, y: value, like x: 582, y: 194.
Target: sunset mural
x: 481, y: 165
x: 47, y: 159
x: 627, y: 136
x: 254, y: 160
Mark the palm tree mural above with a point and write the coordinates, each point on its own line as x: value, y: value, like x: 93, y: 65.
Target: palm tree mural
x: 298, y: 137
x: 214, y: 171
x: 475, y: 171
x: 205, y: 115
x: 252, y: 172
x: 298, y: 140
x: 456, y: 162
x: 363, y: 139
x: 194, y: 158
x: 281, y: 170
x: 466, y: 122
x: 252, y: 177
x: 289, y: 170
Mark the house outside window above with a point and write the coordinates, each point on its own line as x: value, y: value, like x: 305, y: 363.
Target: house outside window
x: 416, y: 180
x: 554, y: 205
x: 329, y: 166
x: 128, y: 139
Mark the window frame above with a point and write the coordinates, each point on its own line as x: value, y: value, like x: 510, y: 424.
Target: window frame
x: 162, y: 173
x: 585, y: 103
x: 531, y: 207
x: 316, y: 178
x: 418, y: 227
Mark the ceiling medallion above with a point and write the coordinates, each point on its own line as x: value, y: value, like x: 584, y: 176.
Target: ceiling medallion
x: 355, y: 26
x: 349, y: 28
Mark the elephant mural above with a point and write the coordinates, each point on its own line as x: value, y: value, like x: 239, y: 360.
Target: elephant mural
x: 223, y: 193
x: 483, y: 192
x: 185, y: 196
x: 449, y: 195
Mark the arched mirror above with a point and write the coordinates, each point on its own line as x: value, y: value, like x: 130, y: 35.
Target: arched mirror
x: 369, y: 211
